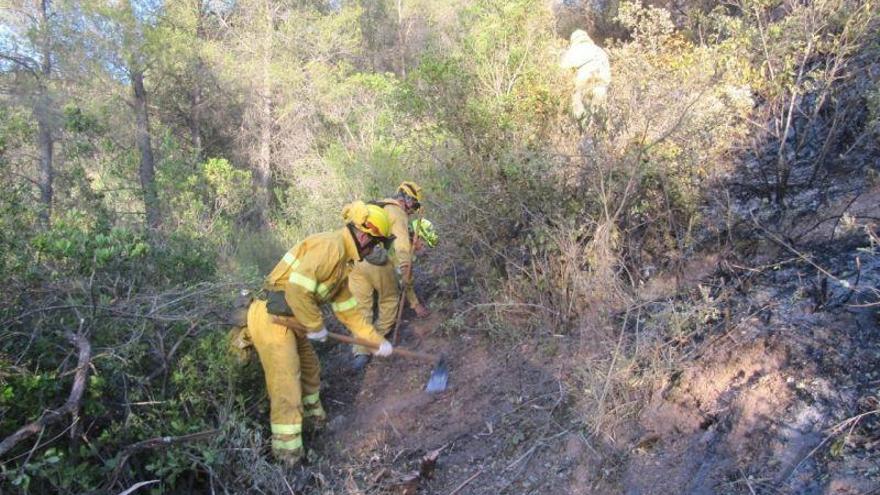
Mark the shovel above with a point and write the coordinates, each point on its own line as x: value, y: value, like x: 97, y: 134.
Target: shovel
x: 439, y: 375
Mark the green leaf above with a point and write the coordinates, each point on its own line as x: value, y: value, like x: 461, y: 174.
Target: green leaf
x: 8, y: 393
x: 22, y: 480
x: 837, y: 447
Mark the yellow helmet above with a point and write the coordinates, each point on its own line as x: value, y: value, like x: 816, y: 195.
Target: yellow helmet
x: 369, y: 219
x: 425, y: 230
x: 411, y: 189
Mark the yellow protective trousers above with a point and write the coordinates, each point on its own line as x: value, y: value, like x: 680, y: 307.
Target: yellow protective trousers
x: 366, y: 279
x: 293, y: 379
x: 402, y: 249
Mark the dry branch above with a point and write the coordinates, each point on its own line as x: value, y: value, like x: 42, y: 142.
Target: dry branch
x: 71, y: 406
x: 138, y: 486
x: 465, y: 482
x: 153, y: 443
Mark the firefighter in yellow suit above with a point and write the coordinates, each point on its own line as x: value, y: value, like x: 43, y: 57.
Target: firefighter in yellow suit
x: 313, y: 273
x: 378, y: 275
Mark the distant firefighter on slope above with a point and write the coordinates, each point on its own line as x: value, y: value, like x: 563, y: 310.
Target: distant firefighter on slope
x: 592, y: 77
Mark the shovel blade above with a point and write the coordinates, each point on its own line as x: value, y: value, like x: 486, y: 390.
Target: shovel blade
x: 439, y: 378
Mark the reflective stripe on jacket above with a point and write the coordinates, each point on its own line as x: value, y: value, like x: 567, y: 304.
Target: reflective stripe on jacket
x: 315, y: 272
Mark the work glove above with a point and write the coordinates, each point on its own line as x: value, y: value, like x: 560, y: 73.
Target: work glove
x: 418, y: 245
x: 421, y: 311
x: 385, y: 349
x: 319, y: 336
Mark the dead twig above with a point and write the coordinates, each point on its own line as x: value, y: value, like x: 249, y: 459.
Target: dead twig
x: 833, y: 431
x: 541, y: 443
x: 391, y: 423
x: 167, y: 358
x: 153, y: 443
x: 72, y: 404
x: 806, y: 258
x: 601, y: 404
x: 520, y: 458
x: 748, y: 483
x: 465, y: 482
x: 506, y: 305
x: 138, y: 486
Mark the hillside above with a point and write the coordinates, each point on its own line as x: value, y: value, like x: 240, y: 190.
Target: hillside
x: 658, y: 267
x: 768, y: 385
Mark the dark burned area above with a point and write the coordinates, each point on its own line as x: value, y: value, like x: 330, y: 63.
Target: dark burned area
x: 778, y: 391
x: 778, y: 394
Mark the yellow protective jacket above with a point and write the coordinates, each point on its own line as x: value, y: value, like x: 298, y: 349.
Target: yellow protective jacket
x: 315, y: 272
x: 401, y: 250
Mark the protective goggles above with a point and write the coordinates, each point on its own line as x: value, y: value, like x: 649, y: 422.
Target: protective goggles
x: 413, y: 202
x: 384, y: 241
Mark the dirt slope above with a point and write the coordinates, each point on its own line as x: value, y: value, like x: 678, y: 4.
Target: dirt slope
x: 503, y: 417
x: 778, y: 395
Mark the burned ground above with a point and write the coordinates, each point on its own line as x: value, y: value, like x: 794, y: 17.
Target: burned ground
x: 774, y: 392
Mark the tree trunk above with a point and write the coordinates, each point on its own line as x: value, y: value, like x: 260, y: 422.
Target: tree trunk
x: 263, y: 175
x: 147, y: 167
x: 46, y: 144
x: 195, y: 114
x: 401, y: 40
x: 44, y: 120
x: 263, y: 165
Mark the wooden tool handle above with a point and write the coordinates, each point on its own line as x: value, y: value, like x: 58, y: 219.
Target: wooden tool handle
x: 400, y: 302
x: 293, y: 323
x: 397, y: 350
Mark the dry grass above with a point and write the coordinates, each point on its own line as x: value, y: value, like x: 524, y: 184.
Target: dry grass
x: 629, y: 356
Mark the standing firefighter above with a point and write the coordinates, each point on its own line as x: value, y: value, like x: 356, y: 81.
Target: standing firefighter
x: 313, y: 273
x: 377, y: 272
x: 592, y: 78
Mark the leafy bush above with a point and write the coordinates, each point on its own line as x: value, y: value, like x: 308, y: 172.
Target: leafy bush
x: 547, y: 224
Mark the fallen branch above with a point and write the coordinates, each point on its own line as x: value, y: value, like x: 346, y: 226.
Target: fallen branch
x: 833, y: 431
x: 601, y: 403
x: 540, y: 444
x: 780, y: 242
x: 748, y: 483
x: 153, y: 443
x: 465, y: 482
x: 138, y: 486
x: 71, y: 406
x: 506, y: 305
x: 167, y: 358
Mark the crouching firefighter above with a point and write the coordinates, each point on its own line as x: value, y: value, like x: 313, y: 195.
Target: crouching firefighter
x: 377, y: 274
x: 313, y: 273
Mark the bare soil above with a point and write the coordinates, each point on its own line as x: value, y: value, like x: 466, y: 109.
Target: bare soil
x: 778, y: 396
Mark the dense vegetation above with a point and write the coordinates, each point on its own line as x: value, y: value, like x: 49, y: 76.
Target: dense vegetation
x: 157, y: 156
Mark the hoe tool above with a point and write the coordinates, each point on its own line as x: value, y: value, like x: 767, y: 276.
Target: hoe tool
x: 439, y: 375
x: 400, y: 303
